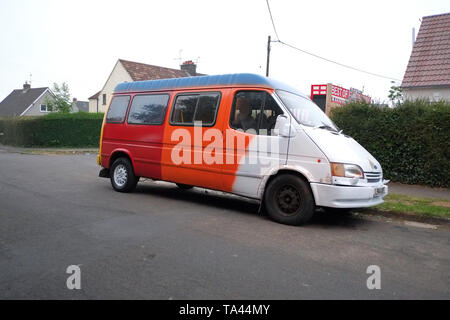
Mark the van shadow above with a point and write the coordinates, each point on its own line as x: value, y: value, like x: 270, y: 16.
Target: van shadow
x: 242, y: 205
x: 346, y: 220
x: 200, y: 196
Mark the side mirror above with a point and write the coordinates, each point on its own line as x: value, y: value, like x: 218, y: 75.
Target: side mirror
x: 284, y: 128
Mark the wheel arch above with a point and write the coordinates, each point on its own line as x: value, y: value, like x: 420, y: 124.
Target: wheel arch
x: 118, y: 153
x: 302, y: 174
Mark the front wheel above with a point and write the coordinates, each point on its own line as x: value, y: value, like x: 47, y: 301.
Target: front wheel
x: 288, y: 200
x: 122, y: 175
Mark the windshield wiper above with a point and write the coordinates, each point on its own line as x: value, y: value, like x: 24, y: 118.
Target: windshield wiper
x: 327, y: 127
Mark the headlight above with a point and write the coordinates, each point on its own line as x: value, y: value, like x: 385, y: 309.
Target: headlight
x: 346, y: 170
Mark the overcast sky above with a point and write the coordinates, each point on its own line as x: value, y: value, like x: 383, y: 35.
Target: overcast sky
x: 79, y: 41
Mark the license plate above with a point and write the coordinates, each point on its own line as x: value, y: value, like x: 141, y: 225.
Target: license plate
x: 378, y: 191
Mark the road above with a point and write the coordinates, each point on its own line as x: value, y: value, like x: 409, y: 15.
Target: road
x: 161, y: 242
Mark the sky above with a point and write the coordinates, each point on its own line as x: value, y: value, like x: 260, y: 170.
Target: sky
x: 79, y: 41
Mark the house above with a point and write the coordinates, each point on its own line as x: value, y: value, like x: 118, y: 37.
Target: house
x: 26, y: 102
x: 127, y: 71
x: 79, y: 106
x: 428, y: 72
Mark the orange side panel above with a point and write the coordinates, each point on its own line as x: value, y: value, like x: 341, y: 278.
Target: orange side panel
x: 200, y: 173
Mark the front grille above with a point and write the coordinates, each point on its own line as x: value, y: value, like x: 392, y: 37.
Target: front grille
x: 373, y: 177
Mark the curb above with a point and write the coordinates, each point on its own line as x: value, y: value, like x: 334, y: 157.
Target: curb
x: 405, y: 216
x: 37, y: 151
x: 55, y: 152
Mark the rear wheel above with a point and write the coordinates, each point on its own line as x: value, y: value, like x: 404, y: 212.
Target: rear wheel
x: 122, y: 175
x: 288, y: 199
x: 184, y: 186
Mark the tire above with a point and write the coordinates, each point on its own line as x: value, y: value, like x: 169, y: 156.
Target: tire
x: 288, y: 200
x: 122, y: 175
x: 184, y: 186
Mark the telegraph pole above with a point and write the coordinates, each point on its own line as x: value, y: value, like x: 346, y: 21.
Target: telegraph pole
x: 268, y: 57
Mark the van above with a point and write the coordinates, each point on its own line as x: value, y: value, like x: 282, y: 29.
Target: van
x: 239, y: 133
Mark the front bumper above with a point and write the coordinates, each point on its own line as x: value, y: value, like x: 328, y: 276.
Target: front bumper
x: 328, y: 195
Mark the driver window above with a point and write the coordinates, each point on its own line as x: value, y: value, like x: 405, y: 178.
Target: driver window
x: 254, y: 112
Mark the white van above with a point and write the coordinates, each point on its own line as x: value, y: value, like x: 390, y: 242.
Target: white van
x: 239, y: 133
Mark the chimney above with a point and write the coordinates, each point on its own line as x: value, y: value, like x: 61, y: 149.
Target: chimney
x: 190, y: 67
x: 26, y: 87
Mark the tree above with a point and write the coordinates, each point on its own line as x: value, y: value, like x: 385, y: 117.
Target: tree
x: 60, y: 102
x: 395, y: 94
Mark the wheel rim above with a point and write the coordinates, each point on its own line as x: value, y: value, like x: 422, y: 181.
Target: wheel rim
x: 120, y: 175
x: 288, y: 200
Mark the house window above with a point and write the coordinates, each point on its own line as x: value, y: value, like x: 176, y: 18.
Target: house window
x: 148, y: 109
x: 104, y: 99
x: 46, y: 108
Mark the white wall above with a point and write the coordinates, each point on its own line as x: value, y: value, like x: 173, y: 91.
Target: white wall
x: 433, y: 94
x: 93, y: 105
x: 118, y: 75
x: 35, y: 110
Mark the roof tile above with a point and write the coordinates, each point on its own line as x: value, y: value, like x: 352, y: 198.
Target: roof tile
x: 140, y: 71
x: 18, y: 101
x: 429, y: 63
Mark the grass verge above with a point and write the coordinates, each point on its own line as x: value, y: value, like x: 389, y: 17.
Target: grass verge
x: 423, y: 207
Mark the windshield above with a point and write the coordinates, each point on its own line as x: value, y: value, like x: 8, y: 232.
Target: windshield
x: 305, y: 111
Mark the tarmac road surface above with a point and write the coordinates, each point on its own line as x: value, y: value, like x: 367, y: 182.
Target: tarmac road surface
x: 161, y: 242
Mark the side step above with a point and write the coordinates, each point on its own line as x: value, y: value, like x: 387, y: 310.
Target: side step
x: 104, y: 173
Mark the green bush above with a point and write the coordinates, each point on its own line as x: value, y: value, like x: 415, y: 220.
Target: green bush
x: 412, y: 141
x: 53, y: 130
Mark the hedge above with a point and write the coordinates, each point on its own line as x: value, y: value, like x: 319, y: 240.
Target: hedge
x: 411, y: 141
x: 53, y: 130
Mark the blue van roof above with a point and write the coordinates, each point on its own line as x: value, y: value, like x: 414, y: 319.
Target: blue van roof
x: 205, y: 81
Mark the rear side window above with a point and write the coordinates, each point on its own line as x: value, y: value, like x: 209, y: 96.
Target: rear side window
x: 195, y: 107
x: 148, y: 109
x: 118, y: 109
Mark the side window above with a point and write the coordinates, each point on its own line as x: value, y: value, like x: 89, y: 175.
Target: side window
x: 148, y: 109
x: 254, y: 112
x: 118, y: 109
x: 207, y: 108
x: 271, y: 111
x: 195, y: 107
x: 183, y: 112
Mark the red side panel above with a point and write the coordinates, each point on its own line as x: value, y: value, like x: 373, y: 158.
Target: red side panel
x: 143, y: 143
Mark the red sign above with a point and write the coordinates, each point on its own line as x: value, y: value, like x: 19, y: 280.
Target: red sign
x: 339, y: 95
x: 339, y: 92
x: 318, y: 89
